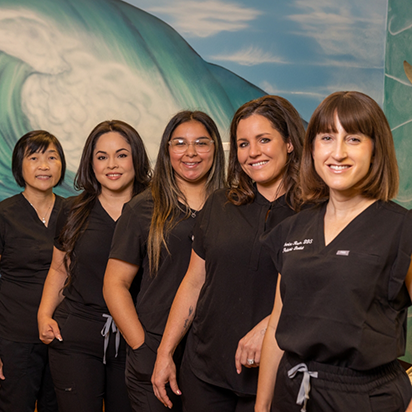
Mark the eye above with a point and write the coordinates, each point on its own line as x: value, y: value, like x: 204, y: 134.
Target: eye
x: 53, y: 158
x: 122, y: 155
x: 242, y: 145
x: 325, y: 137
x: 32, y: 157
x: 101, y: 157
x: 264, y: 140
x: 354, y: 139
x: 202, y: 143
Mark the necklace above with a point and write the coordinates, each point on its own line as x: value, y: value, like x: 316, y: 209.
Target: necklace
x: 43, y: 219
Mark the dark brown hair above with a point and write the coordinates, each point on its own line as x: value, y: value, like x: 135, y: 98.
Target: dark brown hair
x: 165, y: 190
x: 357, y: 113
x: 86, y: 180
x: 286, y: 120
x: 33, y: 142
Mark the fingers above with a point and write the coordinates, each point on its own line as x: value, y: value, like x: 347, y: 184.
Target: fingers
x: 48, y: 331
x: 164, y: 372
x: 2, y: 377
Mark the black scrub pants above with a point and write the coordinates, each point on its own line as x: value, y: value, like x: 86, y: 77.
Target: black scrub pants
x: 82, y: 381
x: 338, y: 389
x: 26, y: 368
x: 200, y: 396
x: 139, y: 369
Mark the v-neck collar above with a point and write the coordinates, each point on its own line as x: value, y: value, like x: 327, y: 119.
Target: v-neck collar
x: 344, y: 231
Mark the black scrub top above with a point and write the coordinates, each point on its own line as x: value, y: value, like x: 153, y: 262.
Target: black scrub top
x: 85, y: 292
x: 239, y: 289
x: 130, y: 245
x: 26, y: 249
x: 345, y: 303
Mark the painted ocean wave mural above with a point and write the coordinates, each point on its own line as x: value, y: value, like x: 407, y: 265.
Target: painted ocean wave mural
x: 66, y: 65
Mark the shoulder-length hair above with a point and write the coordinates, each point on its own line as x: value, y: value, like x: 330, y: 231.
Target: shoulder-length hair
x: 286, y: 120
x: 86, y: 180
x: 357, y: 113
x: 165, y: 190
x: 33, y: 142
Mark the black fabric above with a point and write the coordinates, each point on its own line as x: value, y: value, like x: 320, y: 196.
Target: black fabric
x: 139, y: 369
x: 345, y: 303
x: 130, y: 245
x: 77, y: 361
x: 200, y: 396
x: 91, y: 254
x: 339, y: 389
x: 81, y: 379
x: 28, y: 378
x: 239, y: 288
x: 26, y: 248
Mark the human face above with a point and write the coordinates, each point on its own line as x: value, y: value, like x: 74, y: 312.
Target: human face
x: 342, y: 159
x: 191, y: 167
x: 113, y: 163
x: 262, y: 153
x: 42, y: 171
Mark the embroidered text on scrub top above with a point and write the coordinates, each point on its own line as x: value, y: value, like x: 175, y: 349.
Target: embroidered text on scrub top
x: 296, y: 245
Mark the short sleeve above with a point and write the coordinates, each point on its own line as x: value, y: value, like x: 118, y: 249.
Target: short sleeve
x: 62, y: 220
x: 200, y: 228
x: 130, y: 237
x: 397, y: 292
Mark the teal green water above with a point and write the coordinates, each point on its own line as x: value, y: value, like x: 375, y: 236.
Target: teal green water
x: 66, y: 65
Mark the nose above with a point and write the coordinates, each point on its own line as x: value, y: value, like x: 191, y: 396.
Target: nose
x: 254, y: 149
x: 339, y: 152
x: 44, y: 165
x: 191, y: 149
x: 112, y: 163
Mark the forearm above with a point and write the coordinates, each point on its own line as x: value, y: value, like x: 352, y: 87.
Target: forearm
x: 184, y: 306
x: 52, y: 293
x: 269, y: 363
x: 121, y: 307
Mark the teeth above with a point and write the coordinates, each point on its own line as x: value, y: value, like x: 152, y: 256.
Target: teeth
x: 338, y: 167
x: 260, y: 163
x: 114, y: 174
x: 190, y: 164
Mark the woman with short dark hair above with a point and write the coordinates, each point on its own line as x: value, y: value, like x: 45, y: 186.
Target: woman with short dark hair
x: 345, y: 278
x: 87, y: 354
x: 154, y: 238
x: 27, y: 227
x: 228, y: 290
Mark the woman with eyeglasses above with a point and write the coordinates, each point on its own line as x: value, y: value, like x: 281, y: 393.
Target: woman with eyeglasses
x: 228, y: 291
x: 154, y: 238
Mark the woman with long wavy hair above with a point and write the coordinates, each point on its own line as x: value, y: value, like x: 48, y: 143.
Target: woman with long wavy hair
x: 228, y: 290
x: 87, y: 355
x: 154, y: 236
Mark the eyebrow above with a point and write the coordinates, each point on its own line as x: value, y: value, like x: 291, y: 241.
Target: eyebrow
x: 197, y: 138
x: 117, y: 151
x: 256, y: 137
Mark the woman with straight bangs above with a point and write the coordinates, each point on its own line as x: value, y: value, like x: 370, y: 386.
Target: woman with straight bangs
x: 345, y: 278
x: 228, y: 290
x: 154, y: 240
x: 87, y: 354
x: 27, y: 226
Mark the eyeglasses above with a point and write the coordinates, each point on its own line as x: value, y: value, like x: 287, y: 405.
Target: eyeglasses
x: 203, y: 145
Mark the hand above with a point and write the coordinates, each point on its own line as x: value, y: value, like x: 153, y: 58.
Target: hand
x: 250, y: 346
x: 2, y: 377
x: 49, y: 330
x: 164, y: 371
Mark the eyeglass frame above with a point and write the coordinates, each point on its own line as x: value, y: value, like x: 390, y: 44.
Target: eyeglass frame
x: 210, y: 142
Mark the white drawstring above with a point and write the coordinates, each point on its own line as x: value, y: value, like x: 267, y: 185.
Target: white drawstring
x: 304, y: 389
x: 106, y: 333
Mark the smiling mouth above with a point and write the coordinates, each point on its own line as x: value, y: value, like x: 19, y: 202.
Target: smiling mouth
x: 191, y: 163
x: 261, y: 163
x: 43, y: 177
x: 339, y: 167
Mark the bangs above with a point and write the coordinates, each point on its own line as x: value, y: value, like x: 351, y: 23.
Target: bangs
x: 354, y: 115
x: 37, y: 144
